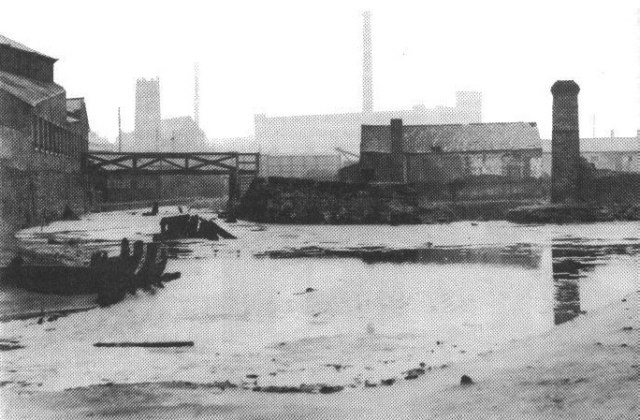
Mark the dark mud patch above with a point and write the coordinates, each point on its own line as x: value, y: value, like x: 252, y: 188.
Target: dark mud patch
x: 143, y: 387
x: 8, y: 345
x: 303, y: 388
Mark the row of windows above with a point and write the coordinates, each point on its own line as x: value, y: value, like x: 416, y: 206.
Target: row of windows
x: 50, y: 138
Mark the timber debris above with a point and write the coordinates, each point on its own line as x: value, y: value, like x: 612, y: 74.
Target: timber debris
x: 191, y: 226
x: 154, y: 210
x: 155, y: 344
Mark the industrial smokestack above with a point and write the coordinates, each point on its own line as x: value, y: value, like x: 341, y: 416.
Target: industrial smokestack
x: 565, y: 142
x: 196, y: 98
x: 367, y: 68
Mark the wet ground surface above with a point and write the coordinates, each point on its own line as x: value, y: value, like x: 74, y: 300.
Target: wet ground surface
x: 315, y: 308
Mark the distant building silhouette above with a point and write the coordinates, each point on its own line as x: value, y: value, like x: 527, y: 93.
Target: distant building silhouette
x: 148, y: 114
x: 321, y: 134
x: 152, y: 133
x: 314, y: 134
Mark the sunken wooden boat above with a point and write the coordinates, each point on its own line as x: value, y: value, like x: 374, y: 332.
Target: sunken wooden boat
x: 59, y: 280
x: 110, y: 278
x: 190, y: 226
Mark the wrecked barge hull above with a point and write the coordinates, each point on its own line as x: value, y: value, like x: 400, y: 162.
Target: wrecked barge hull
x: 59, y: 280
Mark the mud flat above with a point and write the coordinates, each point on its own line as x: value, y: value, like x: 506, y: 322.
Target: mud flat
x: 588, y: 365
x: 574, y: 213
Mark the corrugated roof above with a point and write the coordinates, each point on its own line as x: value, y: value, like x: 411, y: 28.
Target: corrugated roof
x: 19, y: 46
x: 454, y: 137
x: 602, y: 144
x: 28, y: 90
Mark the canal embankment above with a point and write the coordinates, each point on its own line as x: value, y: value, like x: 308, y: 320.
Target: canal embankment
x: 298, y: 201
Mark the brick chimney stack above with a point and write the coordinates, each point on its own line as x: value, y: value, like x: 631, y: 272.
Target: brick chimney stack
x: 367, y: 66
x: 565, y: 142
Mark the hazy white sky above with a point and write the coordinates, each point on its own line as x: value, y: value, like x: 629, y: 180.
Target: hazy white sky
x: 297, y: 57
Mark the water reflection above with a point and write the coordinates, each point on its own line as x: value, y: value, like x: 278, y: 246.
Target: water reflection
x: 571, y: 261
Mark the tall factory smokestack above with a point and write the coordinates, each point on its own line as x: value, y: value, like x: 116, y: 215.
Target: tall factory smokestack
x: 367, y: 68
x: 565, y: 142
x: 196, y: 98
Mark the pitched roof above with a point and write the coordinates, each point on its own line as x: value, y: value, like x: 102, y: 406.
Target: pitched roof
x: 28, y: 90
x: 602, y: 144
x: 75, y: 105
x: 77, y: 112
x: 14, y: 44
x: 454, y: 137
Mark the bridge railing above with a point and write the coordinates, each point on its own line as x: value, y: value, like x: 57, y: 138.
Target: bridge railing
x: 194, y: 163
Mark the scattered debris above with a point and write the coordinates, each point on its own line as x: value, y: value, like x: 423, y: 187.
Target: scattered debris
x: 337, y: 367
x: 328, y: 389
x: 466, y: 380
x: 387, y: 382
x: 303, y: 388
x: 307, y: 290
x: 68, y: 214
x: 154, y: 210
x: 414, y: 373
x: 190, y: 226
x: 147, y: 344
x: 7, y: 345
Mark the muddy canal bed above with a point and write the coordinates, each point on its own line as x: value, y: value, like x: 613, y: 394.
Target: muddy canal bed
x: 341, y: 306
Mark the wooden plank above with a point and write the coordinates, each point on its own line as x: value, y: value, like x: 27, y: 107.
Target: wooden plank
x: 155, y: 344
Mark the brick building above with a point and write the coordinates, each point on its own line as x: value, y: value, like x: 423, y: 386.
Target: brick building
x: 43, y: 135
x: 443, y: 153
